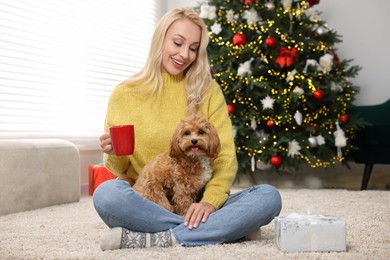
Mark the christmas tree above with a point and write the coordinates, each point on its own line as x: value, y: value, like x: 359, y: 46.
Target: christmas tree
x: 288, y: 93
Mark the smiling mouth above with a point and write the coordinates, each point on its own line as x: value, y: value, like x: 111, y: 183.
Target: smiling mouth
x: 194, y: 148
x: 178, y: 62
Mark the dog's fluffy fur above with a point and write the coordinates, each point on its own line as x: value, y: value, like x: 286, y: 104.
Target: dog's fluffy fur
x: 175, y: 178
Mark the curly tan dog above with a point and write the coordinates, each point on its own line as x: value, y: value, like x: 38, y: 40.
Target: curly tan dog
x: 175, y: 178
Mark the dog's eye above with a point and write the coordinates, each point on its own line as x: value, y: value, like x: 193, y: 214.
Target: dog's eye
x: 201, y: 132
x: 187, y: 132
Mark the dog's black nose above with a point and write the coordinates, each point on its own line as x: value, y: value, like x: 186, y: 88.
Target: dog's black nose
x: 194, y: 141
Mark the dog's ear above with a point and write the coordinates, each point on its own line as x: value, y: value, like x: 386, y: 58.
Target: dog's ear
x: 175, y: 150
x: 214, y: 144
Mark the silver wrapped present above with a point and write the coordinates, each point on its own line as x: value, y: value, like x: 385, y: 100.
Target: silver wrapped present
x: 299, y: 233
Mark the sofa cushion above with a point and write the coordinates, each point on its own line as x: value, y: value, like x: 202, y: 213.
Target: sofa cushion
x: 36, y: 173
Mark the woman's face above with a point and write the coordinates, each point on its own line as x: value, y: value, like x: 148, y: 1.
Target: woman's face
x: 180, y: 46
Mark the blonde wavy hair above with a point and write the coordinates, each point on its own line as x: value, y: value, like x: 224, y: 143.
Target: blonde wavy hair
x: 198, y: 77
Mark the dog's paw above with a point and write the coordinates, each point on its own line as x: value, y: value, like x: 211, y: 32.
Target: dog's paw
x: 181, y: 212
x: 182, y: 208
x: 168, y: 207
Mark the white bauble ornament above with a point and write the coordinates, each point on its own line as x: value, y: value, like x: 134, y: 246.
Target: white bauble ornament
x: 263, y: 166
x: 336, y: 87
x: 320, y: 140
x: 326, y: 62
x: 340, y: 140
x: 253, y: 124
x: 287, y: 4
x: 299, y: 91
x: 321, y: 30
x: 270, y: 6
x: 298, y: 118
x: 312, y: 141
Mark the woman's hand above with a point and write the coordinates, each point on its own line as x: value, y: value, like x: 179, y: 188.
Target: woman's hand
x: 105, y: 144
x: 196, y: 213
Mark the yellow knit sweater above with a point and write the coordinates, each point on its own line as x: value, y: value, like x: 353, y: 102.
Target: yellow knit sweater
x: 156, y: 116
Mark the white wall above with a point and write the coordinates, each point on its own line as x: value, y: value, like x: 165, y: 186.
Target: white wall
x: 362, y: 25
x: 171, y: 4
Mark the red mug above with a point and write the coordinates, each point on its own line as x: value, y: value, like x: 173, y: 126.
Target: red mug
x: 122, y: 138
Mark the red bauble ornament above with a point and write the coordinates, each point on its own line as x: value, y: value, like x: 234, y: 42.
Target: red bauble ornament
x: 318, y: 94
x: 239, y: 39
x: 270, y: 123
x: 276, y: 161
x: 336, y: 58
x: 344, y: 118
x: 211, y: 72
x: 249, y: 1
x: 270, y: 42
x: 313, y: 2
x: 231, y: 109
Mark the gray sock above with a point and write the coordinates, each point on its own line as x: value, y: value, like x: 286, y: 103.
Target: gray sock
x: 118, y: 237
x: 132, y: 239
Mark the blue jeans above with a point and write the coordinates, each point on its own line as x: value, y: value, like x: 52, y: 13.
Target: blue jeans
x: 244, y: 212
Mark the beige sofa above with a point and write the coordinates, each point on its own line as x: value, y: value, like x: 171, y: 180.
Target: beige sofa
x: 36, y: 173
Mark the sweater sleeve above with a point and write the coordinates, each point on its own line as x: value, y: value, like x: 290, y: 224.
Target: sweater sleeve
x: 217, y: 189
x: 116, y: 164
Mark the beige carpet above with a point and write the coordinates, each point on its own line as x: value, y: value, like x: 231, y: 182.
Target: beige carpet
x: 72, y: 231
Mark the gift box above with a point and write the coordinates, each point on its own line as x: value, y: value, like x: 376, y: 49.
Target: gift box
x: 299, y: 233
x: 97, y: 174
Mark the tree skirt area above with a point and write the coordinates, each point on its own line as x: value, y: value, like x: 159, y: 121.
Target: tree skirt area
x: 333, y: 177
x: 72, y: 231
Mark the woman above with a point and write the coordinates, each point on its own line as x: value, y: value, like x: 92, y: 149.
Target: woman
x: 175, y: 82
